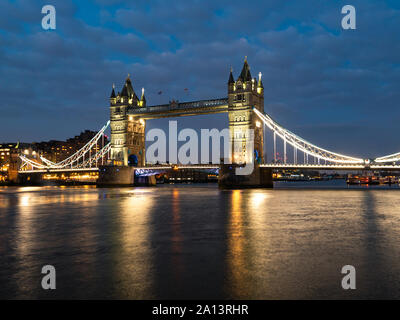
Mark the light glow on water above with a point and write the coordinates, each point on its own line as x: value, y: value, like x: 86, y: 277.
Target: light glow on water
x: 195, y: 241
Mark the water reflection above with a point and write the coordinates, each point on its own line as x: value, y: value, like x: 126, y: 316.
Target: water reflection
x: 199, y: 242
x: 133, y: 258
x: 235, y: 255
x: 177, y: 263
x: 381, y: 225
x: 25, y: 244
x: 258, y: 206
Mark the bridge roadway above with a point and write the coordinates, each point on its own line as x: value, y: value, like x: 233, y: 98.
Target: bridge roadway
x: 216, y: 166
x: 177, y: 109
x: 156, y: 167
x: 59, y: 170
x: 285, y: 166
x: 331, y: 166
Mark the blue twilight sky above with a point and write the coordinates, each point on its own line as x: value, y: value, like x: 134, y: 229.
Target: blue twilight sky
x: 337, y: 88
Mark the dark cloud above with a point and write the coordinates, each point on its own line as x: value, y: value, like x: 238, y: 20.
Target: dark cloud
x: 336, y: 88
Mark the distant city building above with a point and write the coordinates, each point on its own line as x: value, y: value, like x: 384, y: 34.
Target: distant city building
x: 56, y: 151
x: 52, y: 150
x: 10, y: 148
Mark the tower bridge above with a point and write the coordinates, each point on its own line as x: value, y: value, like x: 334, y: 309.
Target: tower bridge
x: 124, y: 156
x: 128, y: 115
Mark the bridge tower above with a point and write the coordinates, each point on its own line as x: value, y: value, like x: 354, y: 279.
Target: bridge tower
x: 127, y: 132
x: 244, y: 94
x: 136, y: 135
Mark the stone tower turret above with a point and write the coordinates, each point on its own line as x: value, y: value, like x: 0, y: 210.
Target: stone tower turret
x: 244, y: 94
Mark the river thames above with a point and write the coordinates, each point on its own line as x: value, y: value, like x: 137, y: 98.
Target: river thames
x: 199, y: 242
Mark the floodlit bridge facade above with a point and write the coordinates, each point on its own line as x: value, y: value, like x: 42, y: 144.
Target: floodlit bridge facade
x: 245, y: 108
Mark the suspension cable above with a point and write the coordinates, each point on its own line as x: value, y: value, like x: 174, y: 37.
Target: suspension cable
x: 303, y: 145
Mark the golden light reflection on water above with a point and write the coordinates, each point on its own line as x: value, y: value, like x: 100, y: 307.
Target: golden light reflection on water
x: 134, y: 259
x: 24, y: 241
x: 36, y: 216
x: 177, y: 259
x: 270, y: 230
x: 276, y: 243
x: 236, y: 258
x: 24, y: 200
x: 4, y: 202
x: 257, y: 200
x: 24, y: 222
x: 176, y: 236
x: 28, y: 189
x: 248, y: 217
x: 261, y: 260
x: 28, y: 196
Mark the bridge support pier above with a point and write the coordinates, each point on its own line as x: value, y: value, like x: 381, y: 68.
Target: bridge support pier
x: 147, y: 181
x: 122, y: 176
x: 259, y: 178
x: 116, y: 176
x: 34, y: 179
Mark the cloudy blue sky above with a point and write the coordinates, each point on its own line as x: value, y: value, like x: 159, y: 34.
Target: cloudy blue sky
x: 337, y: 88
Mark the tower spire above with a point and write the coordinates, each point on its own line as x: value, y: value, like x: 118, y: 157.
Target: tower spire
x: 127, y: 90
x: 231, y: 80
x: 113, y: 91
x: 245, y: 75
x: 142, y: 99
x: 260, y: 84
